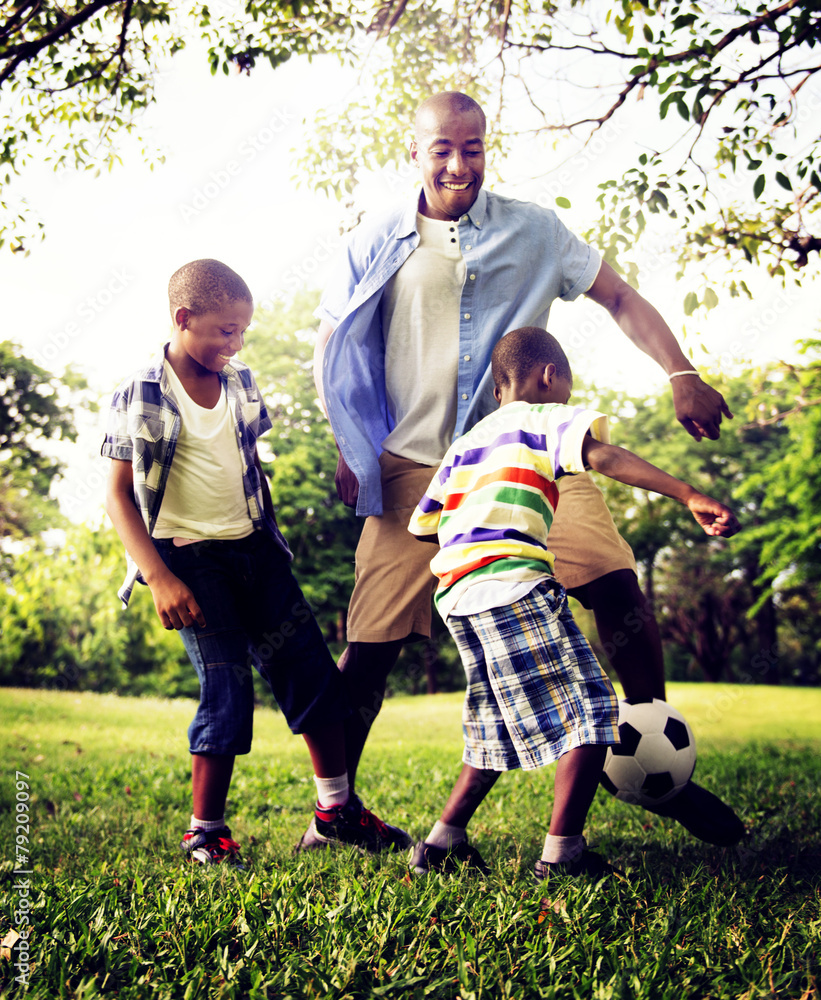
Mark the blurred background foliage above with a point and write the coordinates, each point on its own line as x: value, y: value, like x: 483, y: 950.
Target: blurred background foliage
x: 745, y: 610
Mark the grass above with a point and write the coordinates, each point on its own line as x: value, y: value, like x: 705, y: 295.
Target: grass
x: 115, y: 913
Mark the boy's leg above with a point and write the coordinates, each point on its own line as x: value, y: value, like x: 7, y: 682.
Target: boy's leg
x: 565, y: 853
x: 468, y: 793
x: 575, y: 784
x: 327, y: 750
x: 210, y: 780
x: 446, y: 847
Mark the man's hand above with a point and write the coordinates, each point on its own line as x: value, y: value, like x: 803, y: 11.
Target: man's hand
x: 347, y: 485
x: 714, y: 517
x: 176, y: 606
x: 699, y: 407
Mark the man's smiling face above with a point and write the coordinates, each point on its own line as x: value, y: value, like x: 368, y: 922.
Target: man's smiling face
x: 449, y: 149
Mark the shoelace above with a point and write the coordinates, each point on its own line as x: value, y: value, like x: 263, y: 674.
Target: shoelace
x: 368, y: 819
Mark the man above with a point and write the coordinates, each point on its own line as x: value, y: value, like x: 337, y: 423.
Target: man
x: 408, y: 322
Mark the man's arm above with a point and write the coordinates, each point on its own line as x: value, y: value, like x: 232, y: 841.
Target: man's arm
x: 625, y: 467
x: 174, y: 602
x: 699, y: 408
x: 347, y: 485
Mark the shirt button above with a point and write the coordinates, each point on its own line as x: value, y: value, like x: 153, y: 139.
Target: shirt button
x: 467, y: 315
x: 473, y: 277
x: 464, y: 218
x: 453, y: 240
x: 467, y: 357
x: 468, y: 247
x: 464, y: 395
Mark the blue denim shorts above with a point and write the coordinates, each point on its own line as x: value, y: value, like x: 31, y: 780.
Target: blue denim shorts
x: 534, y: 687
x: 255, y: 617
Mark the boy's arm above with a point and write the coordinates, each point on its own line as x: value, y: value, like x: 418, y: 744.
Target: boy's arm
x: 175, y: 603
x: 625, y: 467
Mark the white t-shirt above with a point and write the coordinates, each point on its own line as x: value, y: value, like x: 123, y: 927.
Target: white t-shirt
x: 420, y: 320
x: 204, y: 497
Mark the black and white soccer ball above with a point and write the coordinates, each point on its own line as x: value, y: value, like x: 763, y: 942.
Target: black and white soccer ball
x: 656, y: 756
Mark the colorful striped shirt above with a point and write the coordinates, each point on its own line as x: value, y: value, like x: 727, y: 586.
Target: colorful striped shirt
x: 493, y: 497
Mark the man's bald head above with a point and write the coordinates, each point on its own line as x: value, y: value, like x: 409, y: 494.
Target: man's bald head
x: 445, y: 102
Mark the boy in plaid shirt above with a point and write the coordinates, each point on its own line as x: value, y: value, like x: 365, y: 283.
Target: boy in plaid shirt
x: 188, y: 497
x: 535, y: 692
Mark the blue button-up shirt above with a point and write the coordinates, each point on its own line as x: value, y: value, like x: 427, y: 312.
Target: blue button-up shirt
x: 143, y: 428
x: 518, y: 258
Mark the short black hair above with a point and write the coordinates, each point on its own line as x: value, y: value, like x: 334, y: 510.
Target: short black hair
x: 520, y: 351
x: 453, y: 100
x: 204, y: 286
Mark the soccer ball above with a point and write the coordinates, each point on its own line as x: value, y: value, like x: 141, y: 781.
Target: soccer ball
x: 656, y: 756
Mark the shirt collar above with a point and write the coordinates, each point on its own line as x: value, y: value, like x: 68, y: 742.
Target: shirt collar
x: 154, y: 373
x: 476, y: 213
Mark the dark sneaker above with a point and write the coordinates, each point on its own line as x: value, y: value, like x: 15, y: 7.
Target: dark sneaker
x: 211, y: 847
x: 587, y: 863
x: 704, y: 815
x: 427, y: 858
x: 355, y: 825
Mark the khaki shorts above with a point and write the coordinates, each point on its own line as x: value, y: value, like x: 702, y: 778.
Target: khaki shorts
x: 394, y: 585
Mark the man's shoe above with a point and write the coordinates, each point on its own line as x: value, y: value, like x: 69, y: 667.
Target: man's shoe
x: 587, y: 863
x: 427, y: 858
x: 211, y: 847
x: 355, y: 825
x: 704, y: 815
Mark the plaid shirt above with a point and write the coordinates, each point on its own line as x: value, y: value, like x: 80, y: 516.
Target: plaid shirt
x: 143, y: 427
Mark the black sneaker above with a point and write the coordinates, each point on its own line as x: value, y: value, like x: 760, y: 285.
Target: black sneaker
x: 211, y: 847
x: 355, y: 825
x: 704, y: 815
x: 427, y: 858
x: 587, y: 863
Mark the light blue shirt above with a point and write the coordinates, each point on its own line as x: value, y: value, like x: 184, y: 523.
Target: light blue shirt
x: 519, y: 258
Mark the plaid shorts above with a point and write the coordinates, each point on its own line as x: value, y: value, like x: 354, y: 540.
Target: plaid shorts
x: 534, y: 687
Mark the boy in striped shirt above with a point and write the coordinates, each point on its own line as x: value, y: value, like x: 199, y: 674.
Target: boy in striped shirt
x: 535, y: 692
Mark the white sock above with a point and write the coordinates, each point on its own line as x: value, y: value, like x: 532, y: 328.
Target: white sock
x: 444, y: 835
x: 558, y: 849
x: 332, y: 791
x: 207, y: 824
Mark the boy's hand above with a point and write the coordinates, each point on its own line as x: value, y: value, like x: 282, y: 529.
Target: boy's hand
x: 714, y: 517
x: 175, y: 604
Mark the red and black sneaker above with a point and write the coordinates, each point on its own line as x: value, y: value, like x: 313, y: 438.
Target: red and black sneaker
x: 211, y: 847
x: 355, y: 825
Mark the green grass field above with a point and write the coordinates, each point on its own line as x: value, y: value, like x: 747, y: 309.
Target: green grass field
x: 113, y: 911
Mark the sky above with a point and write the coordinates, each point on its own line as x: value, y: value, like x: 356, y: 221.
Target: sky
x: 93, y: 294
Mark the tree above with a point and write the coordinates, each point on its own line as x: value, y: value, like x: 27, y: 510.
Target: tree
x: 63, y: 626
x: 739, y: 174
x: 743, y: 609
x: 790, y: 487
x: 77, y: 77
x: 34, y: 409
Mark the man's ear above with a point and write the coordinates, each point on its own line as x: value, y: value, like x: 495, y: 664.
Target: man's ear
x: 497, y: 394
x: 181, y: 317
x: 547, y: 374
x: 414, y: 153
